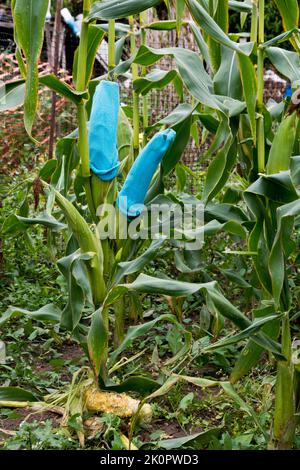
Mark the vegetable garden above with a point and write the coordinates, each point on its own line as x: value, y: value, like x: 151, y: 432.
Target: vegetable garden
x: 146, y: 304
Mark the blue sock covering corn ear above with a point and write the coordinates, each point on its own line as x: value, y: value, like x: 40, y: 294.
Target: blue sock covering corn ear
x: 104, y: 161
x: 133, y: 193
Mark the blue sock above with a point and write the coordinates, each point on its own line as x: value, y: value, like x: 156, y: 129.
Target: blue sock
x: 103, y: 128
x: 132, y: 196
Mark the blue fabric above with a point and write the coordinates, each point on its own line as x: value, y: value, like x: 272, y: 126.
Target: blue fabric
x: 103, y: 128
x: 133, y: 193
x: 73, y: 27
x: 288, y: 91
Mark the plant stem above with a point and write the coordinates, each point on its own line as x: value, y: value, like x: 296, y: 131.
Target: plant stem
x: 103, y: 366
x: 143, y: 21
x: 82, y: 51
x: 284, y: 415
x: 260, y: 89
x: 119, y: 314
x: 83, y: 148
x: 254, y: 20
x: 135, y: 76
x: 111, y: 44
x: 83, y: 144
x: 261, y: 31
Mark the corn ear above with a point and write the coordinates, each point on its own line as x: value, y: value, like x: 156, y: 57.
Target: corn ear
x: 88, y: 242
x: 283, y: 145
x: 118, y: 404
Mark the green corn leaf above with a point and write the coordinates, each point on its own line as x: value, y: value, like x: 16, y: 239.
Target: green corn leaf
x: 283, y: 245
x: 166, y: 25
x: 249, y: 81
x: 241, y: 7
x: 209, y: 122
x: 201, y: 43
x: 225, y: 213
x: 252, y: 352
x: 279, y: 39
x: 289, y: 11
x: 278, y: 188
x: 74, y: 270
x: 295, y: 171
x: 245, y: 334
x: 67, y: 159
x: 283, y: 145
x: 15, y: 394
x: 29, y: 19
x: 63, y: 89
x: 131, y: 267
x: 195, y: 78
x: 212, y: 228
x: 139, y: 384
x: 119, y: 46
x: 97, y: 341
x: 12, y: 95
x: 156, y: 79
x: 220, y: 16
x: 47, y: 313
x: 125, y: 136
x: 15, y: 224
x: 190, y: 441
x: 206, y: 22
x: 219, y: 169
x: 113, y: 9
x: 227, y: 80
x: 236, y: 278
x: 286, y: 62
x: 174, y: 153
x: 177, y: 116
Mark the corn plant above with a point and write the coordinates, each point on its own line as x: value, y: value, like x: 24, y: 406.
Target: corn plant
x: 222, y: 89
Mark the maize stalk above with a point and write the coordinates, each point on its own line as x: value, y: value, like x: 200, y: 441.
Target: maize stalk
x: 135, y: 76
x: 260, y: 90
x: 284, y: 416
